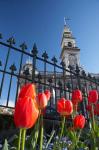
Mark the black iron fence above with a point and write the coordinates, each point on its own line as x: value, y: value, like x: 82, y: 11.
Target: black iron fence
x: 18, y: 67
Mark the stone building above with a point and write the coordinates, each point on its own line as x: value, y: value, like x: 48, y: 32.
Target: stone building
x: 70, y: 56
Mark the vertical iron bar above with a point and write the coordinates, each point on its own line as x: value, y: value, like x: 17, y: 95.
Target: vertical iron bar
x: 34, y: 53
x: 55, y: 83
x: 55, y: 61
x: 9, y: 90
x: 71, y: 80
x: 50, y: 100
x: 45, y: 56
x: 2, y: 81
x: 44, y: 74
x: 33, y: 69
x: 79, y: 86
x: 18, y: 82
x: 12, y: 68
x: 85, y: 93
x: 11, y: 41
x: 51, y: 89
x: 63, y: 68
x: 90, y: 78
x: 39, y: 83
x: 23, y: 47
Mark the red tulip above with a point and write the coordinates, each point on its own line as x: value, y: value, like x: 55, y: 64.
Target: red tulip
x: 28, y: 90
x: 42, y: 100
x: 76, y: 96
x: 48, y: 94
x: 64, y: 107
x: 93, y: 96
x: 26, y: 112
x: 79, y: 121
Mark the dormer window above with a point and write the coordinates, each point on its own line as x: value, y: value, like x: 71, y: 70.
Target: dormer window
x: 69, y: 44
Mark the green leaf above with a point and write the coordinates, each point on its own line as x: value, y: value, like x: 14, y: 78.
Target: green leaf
x: 51, y: 136
x: 5, y: 146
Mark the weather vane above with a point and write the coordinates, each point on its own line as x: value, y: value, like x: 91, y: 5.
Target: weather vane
x: 65, y: 20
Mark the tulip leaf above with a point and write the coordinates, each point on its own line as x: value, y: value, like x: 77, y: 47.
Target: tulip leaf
x: 5, y: 146
x: 51, y: 136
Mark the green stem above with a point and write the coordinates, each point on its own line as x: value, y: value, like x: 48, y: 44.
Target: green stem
x: 41, y: 134
x: 23, y: 138
x: 93, y: 119
x: 93, y: 126
x: 79, y: 134
x: 19, y: 139
x: 34, y: 135
x: 62, y: 126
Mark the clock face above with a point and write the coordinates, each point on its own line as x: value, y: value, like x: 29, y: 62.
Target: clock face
x: 69, y: 44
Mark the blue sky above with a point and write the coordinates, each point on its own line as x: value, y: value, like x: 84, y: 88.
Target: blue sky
x: 42, y: 21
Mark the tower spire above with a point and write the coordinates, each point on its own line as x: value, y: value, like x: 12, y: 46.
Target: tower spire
x: 70, y: 52
x: 65, y: 21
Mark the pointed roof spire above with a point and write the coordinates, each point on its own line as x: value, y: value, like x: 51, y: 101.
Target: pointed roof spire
x: 66, y: 28
x: 65, y: 21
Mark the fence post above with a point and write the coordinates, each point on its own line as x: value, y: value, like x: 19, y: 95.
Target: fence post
x: 71, y: 68
x: 34, y: 53
x: 11, y: 41
x: 79, y: 87
x: 12, y: 68
x: 23, y: 48
x: 45, y: 56
x: 55, y: 61
x: 63, y: 67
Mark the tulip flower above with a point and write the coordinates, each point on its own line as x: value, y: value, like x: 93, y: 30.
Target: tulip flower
x: 92, y: 99
x: 79, y: 121
x: 93, y: 96
x: 42, y: 100
x: 26, y: 112
x: 64, y: 107
x: 76, y: 97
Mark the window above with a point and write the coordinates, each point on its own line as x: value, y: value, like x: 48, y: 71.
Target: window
x: 69, y: 44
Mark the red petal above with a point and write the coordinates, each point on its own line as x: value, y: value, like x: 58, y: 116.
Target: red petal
x: 27, y: 90
x: 48, y: 94
x: 26, y: 113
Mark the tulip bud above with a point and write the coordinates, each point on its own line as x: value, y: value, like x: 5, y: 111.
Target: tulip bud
x: 42, y: 100
x: 64, y: 107
x: 93, y: 96
x: 76, y: 97
x: 79, y: 121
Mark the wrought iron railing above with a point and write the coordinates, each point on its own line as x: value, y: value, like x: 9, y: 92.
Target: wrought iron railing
x: 45, y: 73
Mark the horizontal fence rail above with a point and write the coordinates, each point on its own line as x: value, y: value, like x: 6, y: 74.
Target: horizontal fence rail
x: 18, y: 67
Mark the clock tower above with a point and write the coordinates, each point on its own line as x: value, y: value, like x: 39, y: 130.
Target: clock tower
x: 70, y: 52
